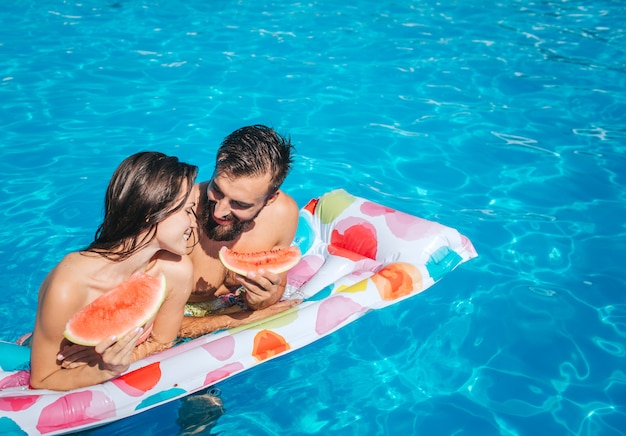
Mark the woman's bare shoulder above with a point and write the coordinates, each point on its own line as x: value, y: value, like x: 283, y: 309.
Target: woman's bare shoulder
x: 64, y: 286
x: 177, y: 269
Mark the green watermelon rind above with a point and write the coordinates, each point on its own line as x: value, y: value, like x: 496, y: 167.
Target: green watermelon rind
x: 256, y: 260
x: 72, y: 335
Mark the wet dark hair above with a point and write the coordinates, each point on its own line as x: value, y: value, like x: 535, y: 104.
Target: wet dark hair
x: 255, y: 151
x: 143, y: 191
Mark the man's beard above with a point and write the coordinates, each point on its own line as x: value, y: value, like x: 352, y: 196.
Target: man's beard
x: 228, y: 232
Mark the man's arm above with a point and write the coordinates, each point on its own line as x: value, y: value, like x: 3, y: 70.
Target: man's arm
x: 193, y: 326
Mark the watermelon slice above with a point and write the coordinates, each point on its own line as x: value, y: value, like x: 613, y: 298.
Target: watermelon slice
x: 276, y: 261
x: 116, y: 312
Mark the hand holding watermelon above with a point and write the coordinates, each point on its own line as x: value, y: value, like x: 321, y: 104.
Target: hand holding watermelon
x: 115, y: 313
x: 105, y: 332
x: 261, y: 288
x: 261, y: 273
x: 112, y: 354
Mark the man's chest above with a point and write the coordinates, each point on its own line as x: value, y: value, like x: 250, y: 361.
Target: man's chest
x: 210, y: 278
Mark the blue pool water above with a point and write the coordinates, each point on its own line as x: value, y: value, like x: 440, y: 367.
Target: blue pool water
x: 505, y: 119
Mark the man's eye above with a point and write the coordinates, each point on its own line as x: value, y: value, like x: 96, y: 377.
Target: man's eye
x: 213, y: 187
x: 216, y: 192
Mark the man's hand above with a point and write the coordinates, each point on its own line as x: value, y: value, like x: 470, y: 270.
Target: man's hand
x: 263, y: 288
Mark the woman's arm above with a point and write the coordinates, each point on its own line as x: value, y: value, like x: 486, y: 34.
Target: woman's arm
x: 167, y: 323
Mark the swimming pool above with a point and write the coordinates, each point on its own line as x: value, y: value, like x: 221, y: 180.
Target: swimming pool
x: 503, y: 119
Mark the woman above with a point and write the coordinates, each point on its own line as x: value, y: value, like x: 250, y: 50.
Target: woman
x: 147, y: 224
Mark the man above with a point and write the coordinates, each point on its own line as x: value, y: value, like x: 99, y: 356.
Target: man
x: 242, y: 208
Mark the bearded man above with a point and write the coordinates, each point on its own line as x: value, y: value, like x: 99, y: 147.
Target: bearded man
x: 242, y: 208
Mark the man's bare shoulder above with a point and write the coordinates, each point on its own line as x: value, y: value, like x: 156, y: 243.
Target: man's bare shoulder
x: 285, y: 207
x: 278, y: 222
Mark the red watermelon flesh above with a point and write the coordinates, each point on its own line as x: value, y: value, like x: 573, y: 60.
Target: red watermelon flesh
x: 276, y: 261
x: 116, y: 312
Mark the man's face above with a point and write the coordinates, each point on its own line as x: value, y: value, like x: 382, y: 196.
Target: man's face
x: 233, y: 205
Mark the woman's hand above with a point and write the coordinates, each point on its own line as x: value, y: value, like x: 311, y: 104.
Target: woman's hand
x: 111, y: 355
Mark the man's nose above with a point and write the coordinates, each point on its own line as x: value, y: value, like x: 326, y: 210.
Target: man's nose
x: 221, y: 209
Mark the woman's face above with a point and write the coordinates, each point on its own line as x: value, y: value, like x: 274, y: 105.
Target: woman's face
x: 173, y: 233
